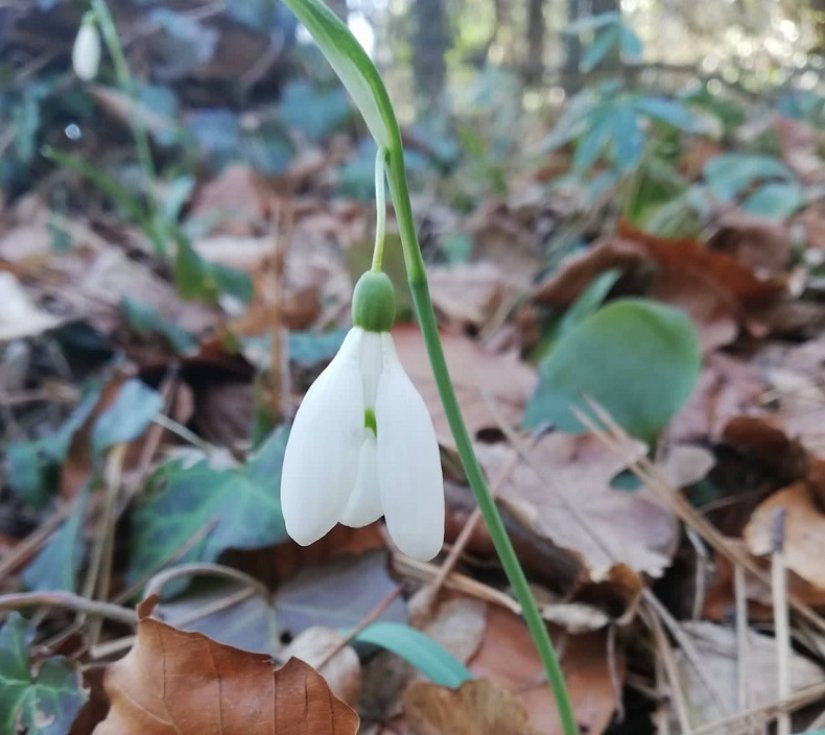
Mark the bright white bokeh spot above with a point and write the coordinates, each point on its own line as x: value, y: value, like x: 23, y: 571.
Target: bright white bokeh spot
x: 363, y: 31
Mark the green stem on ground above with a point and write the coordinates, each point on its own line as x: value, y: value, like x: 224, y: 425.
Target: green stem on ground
x: 361, y: 78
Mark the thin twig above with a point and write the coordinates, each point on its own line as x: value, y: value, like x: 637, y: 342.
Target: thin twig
x: 68, y: 601
x: 29, y: 546
x: 782, y: 631
x: 160, y: 580
x: 677, y: 696
x: 370, y: 617
x: 742, y: 643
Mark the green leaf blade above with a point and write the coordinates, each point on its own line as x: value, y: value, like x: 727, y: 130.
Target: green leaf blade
x: 637, y: 358
x: 430, y: 658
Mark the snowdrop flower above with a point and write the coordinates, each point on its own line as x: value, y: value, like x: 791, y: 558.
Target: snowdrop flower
x: 86, y: 50
x: 362, y: 444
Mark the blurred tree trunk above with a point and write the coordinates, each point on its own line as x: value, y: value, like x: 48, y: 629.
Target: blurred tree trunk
x: 340, y: 8
x: 430, y: 41
x: 818, y: 8
x: 535, y: 41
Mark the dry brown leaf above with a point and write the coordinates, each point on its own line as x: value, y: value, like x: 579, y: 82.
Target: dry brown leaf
x: 728, y: 387
x: 761, y: 244
x: 508, y: 657
x: 500, y: 236
x: 506, y: 380
x: 342, y: 672
x: 477, y: 708
x: 719, y: 658
x: 804, y: 534
x: 178, y: 683
x: 573, y: 505
x: 239, y: 197
x: 469, y: 294
x: 20, y: 316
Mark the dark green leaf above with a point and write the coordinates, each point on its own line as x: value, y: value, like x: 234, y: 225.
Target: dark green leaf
x: 57, y: 564
x: 605, y: 40
x: 671, y: 112
x: 628, y: 142
x: 45, y: 703
x: 128, y: 417
x: 630, y: 44
x: 776, y: 201
x: 637, y: 358
x: 316, y: 112
x: 593, y: 141
x: 31, y: 467
x: 146, y: 320
x: 429, y: 657
x: 730, y: 173
x: 240, y: 506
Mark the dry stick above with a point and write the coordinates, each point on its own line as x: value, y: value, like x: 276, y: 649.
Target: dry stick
x: 97, y: 575
x: 742, y: 643
x: 652, y: 476
x: 68, y: 601
x: 782, y: 632
x: 677, y: 696
x: 370, y: 617
x: 160, y: 580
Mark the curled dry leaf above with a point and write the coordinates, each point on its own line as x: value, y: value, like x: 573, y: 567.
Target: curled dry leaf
x: 178, y: 683
x: 478, y: 707
x: 804, y: 532
x: 468, y: 294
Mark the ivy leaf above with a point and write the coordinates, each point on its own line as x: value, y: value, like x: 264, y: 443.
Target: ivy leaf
x: 31, y: 467
x: 128, y: 417
x: 45, y: 703
x: 57, y: 564
x: 637, y: 358
x: 240, y: 507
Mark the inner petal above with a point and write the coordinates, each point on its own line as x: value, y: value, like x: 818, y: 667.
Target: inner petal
x: 364, y: 504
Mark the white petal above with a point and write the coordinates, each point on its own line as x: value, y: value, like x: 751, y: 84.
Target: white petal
x: 321, y: 458
x: 86, y: 52
x: 409, y: 466
x: 364, y: 505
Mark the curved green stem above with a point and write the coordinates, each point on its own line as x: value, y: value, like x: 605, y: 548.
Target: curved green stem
x: 417, y: 276
x: 362, y: 80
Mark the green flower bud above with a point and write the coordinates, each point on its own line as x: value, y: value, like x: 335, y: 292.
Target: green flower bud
x: 373, y: 302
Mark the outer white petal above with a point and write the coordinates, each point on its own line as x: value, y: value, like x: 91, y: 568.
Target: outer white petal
x: 364, y: 505
x: 409, y: 466
x: 321, y: 458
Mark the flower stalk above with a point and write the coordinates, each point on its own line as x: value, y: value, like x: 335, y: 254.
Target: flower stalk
x: 361, y: 78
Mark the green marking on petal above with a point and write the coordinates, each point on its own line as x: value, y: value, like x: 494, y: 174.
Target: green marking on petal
x: 370, y: 422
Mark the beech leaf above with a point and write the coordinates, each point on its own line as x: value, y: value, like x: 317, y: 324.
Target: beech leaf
x: 177, y: 683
